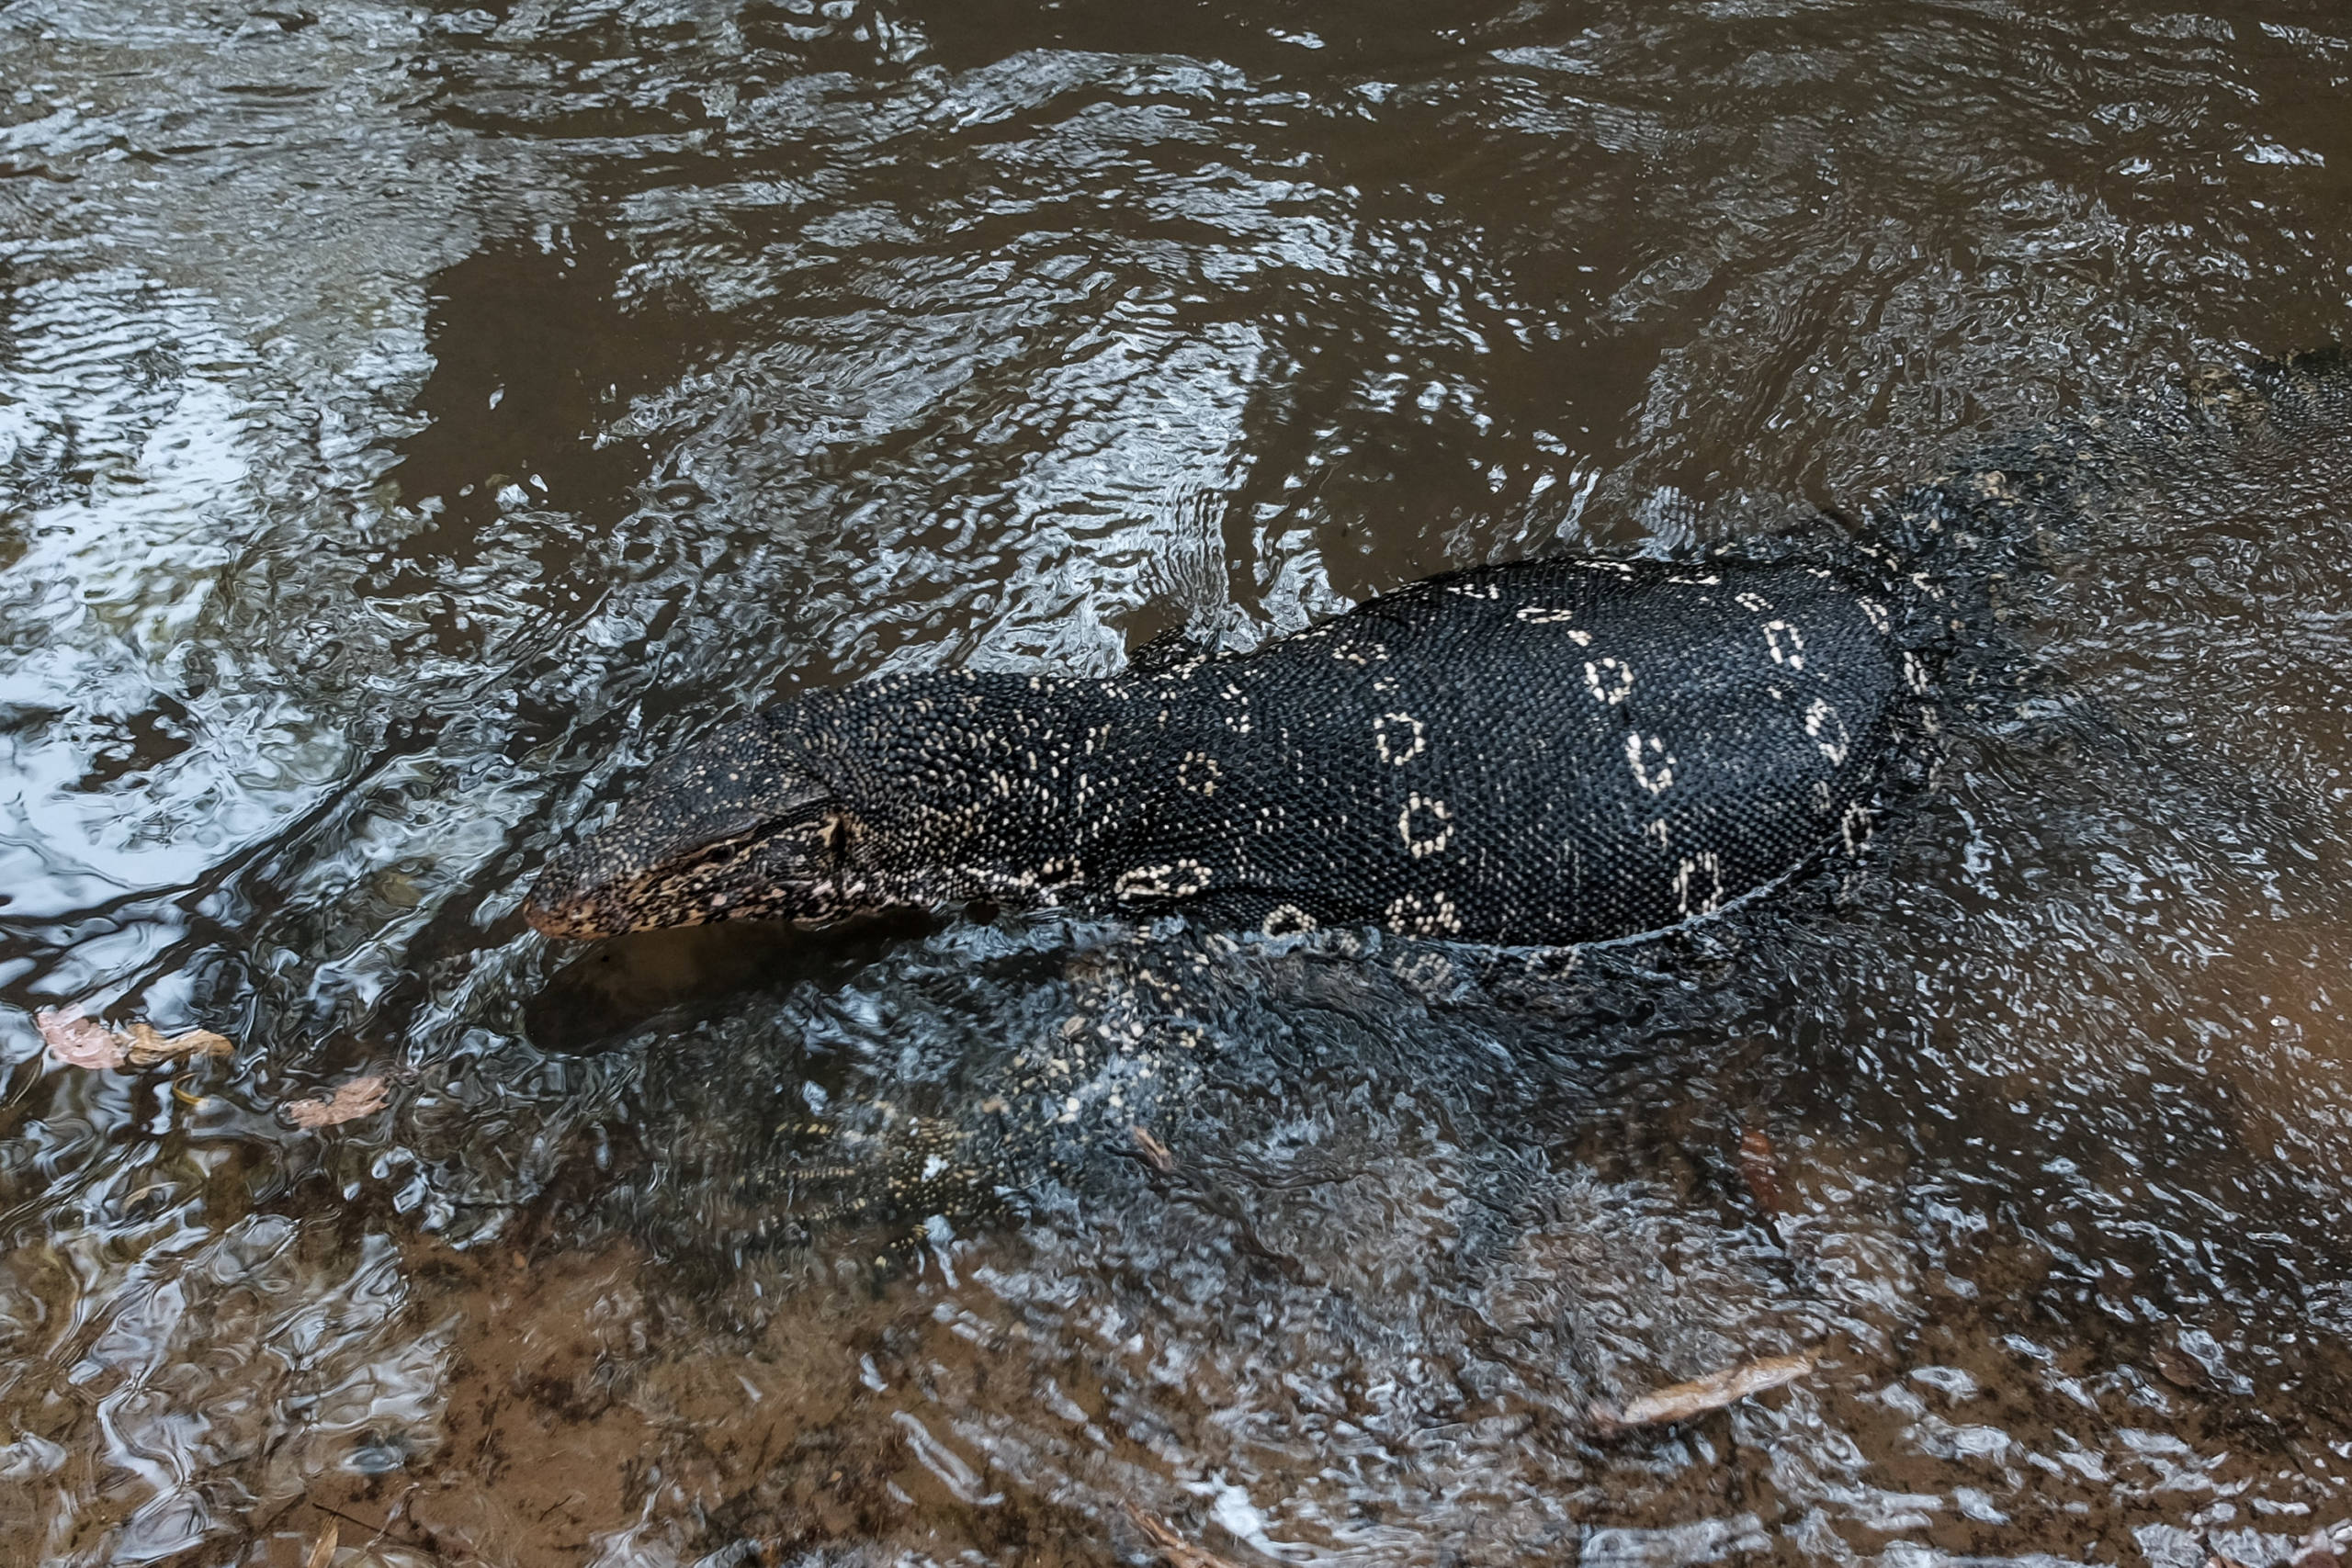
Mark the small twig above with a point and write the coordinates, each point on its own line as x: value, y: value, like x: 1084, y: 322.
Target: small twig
x: 1759, y: 1167
x: 375, y: 1532
x: 1697, y: 1397
x: 1178, y: 1552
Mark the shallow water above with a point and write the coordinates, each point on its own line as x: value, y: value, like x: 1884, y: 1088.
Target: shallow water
x: 413, y: 424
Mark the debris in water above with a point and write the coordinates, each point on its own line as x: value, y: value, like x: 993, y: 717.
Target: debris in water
x: 323, y: 1552
x: 1759, y: 1165
x: 2178, y: 1369
x: 1178, y: 1552
x: 81, y: 1042
x: 149, y: 1045
x: 1683, y: 1400
x: 1155, y: 1152
x: 360, y: 1096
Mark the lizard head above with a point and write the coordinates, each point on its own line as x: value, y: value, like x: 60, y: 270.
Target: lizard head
x: 733, y: 828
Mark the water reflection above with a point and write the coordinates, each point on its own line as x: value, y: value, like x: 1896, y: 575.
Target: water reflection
x: 412, y: 423
x: 617, y: 988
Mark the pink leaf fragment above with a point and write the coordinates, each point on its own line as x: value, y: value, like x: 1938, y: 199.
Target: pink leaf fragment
x: 1681, y: 1401
x: 360, y: 1096
x: 81, y: 1042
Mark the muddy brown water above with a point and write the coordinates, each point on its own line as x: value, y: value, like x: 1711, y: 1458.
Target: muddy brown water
x: 413, y: 422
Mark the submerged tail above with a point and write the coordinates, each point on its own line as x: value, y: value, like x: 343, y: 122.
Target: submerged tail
x: 1972, y: 546
x: 1996, y: 510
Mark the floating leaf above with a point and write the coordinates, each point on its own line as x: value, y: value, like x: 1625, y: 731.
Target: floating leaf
x: 360, y: 1096
x: 1174, y: 1547
x: 2178, y: 1369
x: 1683, y: 1400
x: 80, y: 1042
x: 149, y: 1045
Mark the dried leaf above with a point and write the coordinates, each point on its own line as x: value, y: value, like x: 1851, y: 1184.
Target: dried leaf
x: 1155, y: 1152
x: 1683, y: 1400
x: 2178, y: 1369
x: 149, y: 1045
x: 80, y: 1042
x: 1174, y: 1547
x: 323, y: 1552
x: 360, y: 1096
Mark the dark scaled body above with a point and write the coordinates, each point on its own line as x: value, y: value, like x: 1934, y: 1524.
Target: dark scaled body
x: 1544, y: 753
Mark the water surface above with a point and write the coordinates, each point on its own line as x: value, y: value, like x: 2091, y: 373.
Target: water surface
x: 413, y: 424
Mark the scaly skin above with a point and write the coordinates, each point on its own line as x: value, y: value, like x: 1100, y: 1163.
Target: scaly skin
x: 1542, y: 754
